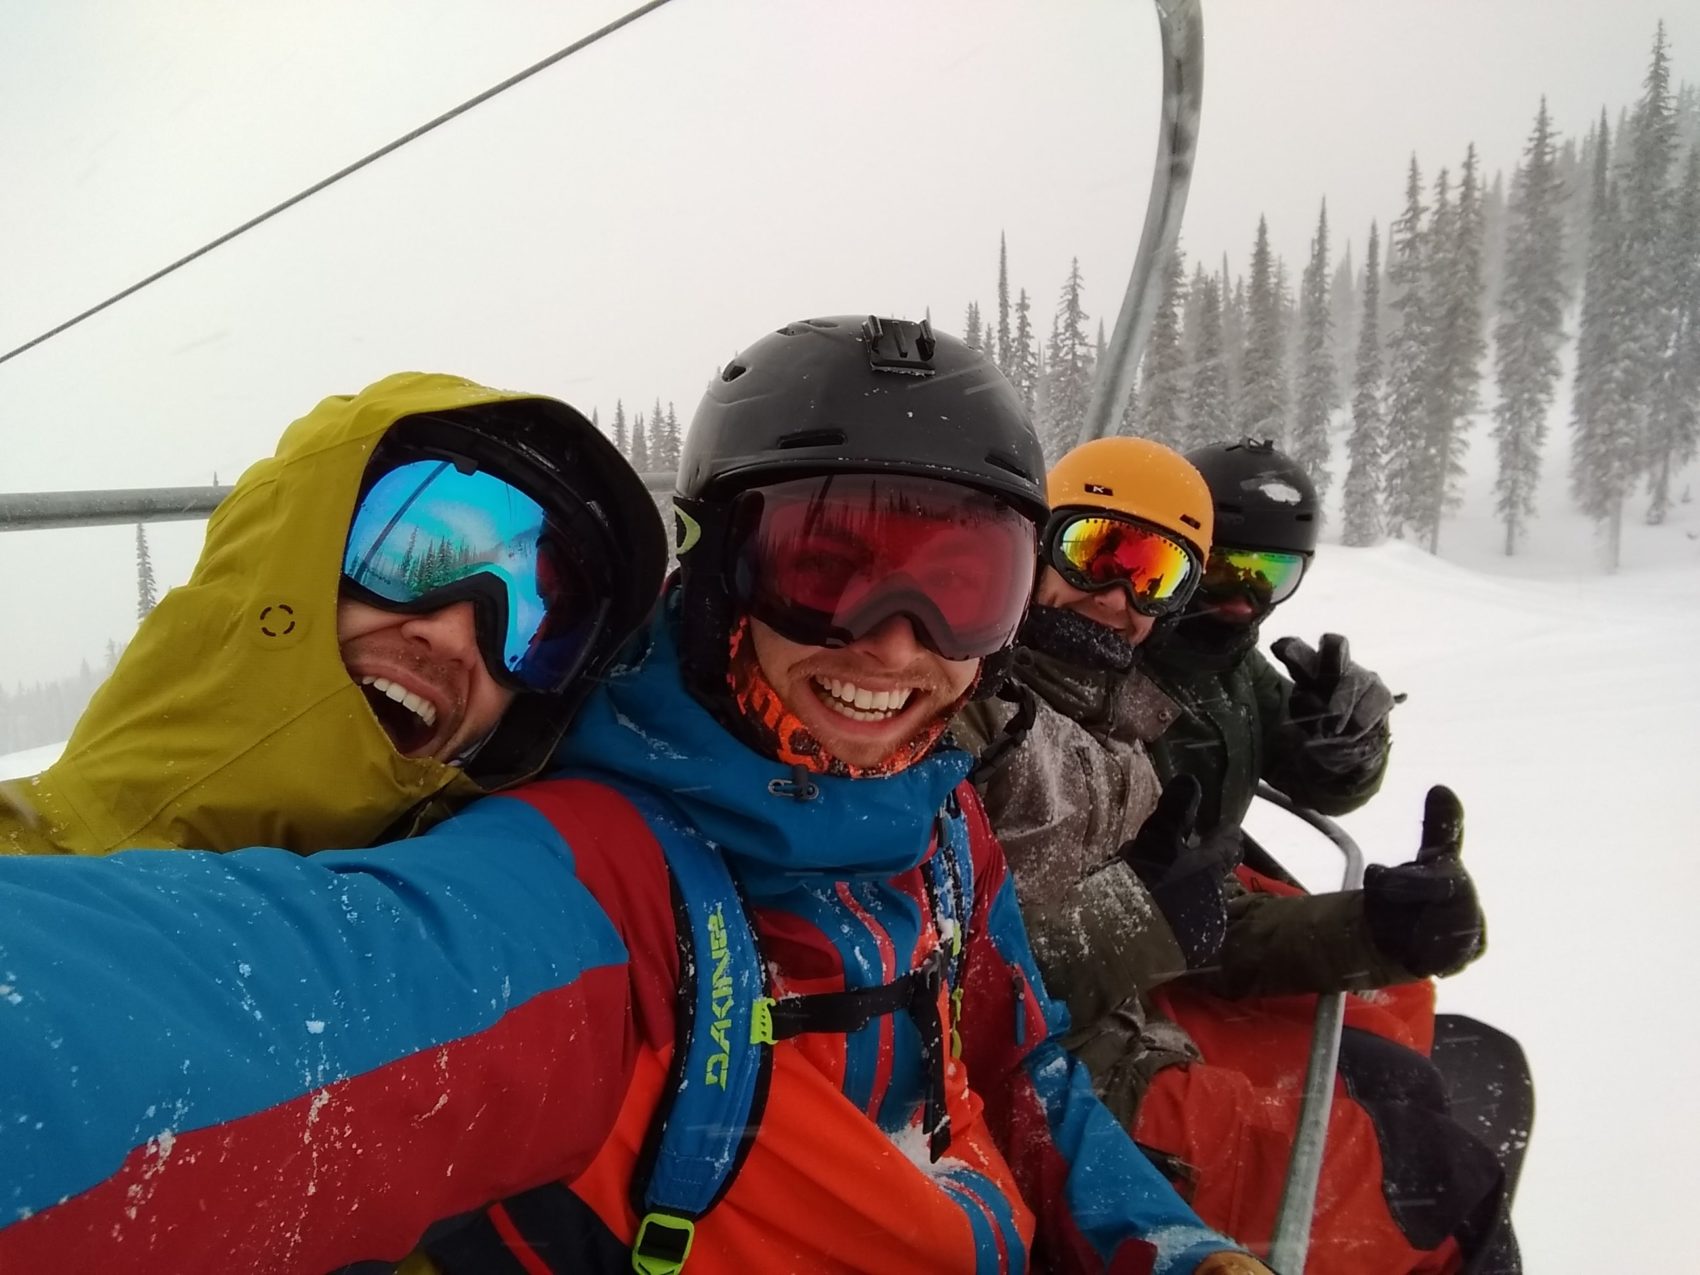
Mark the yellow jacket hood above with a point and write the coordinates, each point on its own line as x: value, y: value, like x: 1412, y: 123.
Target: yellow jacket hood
x: 230, y: 720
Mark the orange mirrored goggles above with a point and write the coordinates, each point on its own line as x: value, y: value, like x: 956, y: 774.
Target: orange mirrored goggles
x: 1092, y: 550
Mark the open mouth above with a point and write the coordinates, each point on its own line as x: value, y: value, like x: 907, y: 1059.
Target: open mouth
x: 410, y: 720
x: 860, y: 704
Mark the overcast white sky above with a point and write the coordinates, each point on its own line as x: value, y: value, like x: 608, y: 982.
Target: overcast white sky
x: 621, y: 224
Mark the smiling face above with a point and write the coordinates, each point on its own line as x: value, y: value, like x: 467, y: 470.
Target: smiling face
x: 423, y: 675
x: 1109, y: 607
x: 866, y: 701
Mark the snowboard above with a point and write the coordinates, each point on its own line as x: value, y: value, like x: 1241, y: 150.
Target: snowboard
x: 1490, y: 1087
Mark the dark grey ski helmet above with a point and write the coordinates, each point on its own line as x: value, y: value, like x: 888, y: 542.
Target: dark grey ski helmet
x: 842, y: 394
x: 1263, y: 499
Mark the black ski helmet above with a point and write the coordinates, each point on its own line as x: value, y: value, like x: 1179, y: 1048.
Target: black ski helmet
x: 568, y: 466
x: 845, y: 394
x: 1263, y: 499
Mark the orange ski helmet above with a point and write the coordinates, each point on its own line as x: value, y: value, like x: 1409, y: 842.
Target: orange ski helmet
x: 1138, y: 478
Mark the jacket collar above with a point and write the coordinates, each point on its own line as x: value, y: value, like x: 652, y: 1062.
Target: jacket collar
x: 642, y: 727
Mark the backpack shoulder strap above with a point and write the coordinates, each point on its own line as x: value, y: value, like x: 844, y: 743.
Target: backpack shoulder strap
x: 711, y: 1107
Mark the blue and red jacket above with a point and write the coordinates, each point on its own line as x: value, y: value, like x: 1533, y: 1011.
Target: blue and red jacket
x: 262, y: 1061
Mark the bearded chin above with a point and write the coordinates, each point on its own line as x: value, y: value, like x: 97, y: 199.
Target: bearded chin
x: 764, y: 722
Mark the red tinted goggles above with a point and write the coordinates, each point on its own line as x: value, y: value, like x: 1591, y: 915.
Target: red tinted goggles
x: 1093, y: 550
x: 827, y: 560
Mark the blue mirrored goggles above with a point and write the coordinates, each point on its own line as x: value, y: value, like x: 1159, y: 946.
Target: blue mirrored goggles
x: 428, y: 534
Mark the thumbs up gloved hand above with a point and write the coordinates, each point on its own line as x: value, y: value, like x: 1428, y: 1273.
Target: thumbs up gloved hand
x: 1339, y: 707
x: 1424, y: 914
x: 1183, y: 876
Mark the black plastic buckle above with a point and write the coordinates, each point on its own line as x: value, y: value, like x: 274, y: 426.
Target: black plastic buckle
x: 899, y: 345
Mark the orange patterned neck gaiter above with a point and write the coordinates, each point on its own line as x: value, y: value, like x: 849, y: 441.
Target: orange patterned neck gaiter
x: 778, y: 732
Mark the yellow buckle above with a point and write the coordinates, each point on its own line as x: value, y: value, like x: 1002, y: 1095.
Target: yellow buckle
x: 663, y: 1243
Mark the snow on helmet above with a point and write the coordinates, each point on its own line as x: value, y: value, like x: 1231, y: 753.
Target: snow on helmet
x: 842, y: 394
x: 1140, y: 478
x: 1263, y: 499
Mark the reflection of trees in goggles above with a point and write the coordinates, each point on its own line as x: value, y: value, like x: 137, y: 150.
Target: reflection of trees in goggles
x: 1265, y: 574
x: 426, y: 533
x: 1093, y: 552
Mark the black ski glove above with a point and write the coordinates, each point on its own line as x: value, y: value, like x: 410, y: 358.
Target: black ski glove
x: 1183, y: 877
x: 1424, y: 914
x: 1339, y: 708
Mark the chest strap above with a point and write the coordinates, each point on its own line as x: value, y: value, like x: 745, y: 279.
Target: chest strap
x: 726, y: 1022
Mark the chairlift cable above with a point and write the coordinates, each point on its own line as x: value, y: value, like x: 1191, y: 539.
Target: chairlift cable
x: 558, y: 56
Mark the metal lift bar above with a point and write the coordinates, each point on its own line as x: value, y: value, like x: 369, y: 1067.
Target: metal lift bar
x: 40, y: 510
x: 1182, y: 26
x: 1298, y: 1197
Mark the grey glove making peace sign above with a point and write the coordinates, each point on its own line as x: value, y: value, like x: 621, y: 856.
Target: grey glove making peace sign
x: 1338, y: 707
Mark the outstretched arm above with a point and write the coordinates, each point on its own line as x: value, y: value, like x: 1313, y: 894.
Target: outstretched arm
x: 261, y: 1060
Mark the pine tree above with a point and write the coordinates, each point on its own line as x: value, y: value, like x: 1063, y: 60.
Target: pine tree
x: 1233, y: 336
x: 1316, y: 379
x: 675, y: 442
x: 972, y: 335
x: 1023, y: 368
x: 147, y: 595
x: 1208, y: 419
x: 621, y: 441
x: 1004, y: 352
x: 1530, y: 330
x: 1164, y: 386
x: 1068, y: 369
x: 1343, y: 311
x: 1651, y: 303
x: 1262, y: 401
x: 1603, y: 456
x: 1364, y: 447
x: 1407, y: 399
x: 640, y: 445
x: 1457, y: 344
x: 1673, y: 417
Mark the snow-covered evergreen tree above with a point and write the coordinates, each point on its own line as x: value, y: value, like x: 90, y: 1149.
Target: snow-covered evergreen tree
x: 667, y: 453
x: 1649, y: 300
x: 1023, y: 370
x: 1208, y: 419
x: 1068, y: 371
x: 1002, y: 351
x: 1316, y: 382
x: 1407, y: 400
x: 1530, y: 328
x: 621, y: 440
x: 1673, y: 416
x: 1233, y: 335
x: 640, y: 445
x: 1163, y: 386
x: 1365, y: 444
x: 1458, y: 343
x: 147, y: 593
x: 1605, y: 451
x: 1262, y: 403
x: 1343, y: 311
x: 971, y: 328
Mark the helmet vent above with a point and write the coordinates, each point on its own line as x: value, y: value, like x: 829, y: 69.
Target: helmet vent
x: 813, y: 438
x: 1013, y: 466
x: 733, y: 371
x: 1192, y: 522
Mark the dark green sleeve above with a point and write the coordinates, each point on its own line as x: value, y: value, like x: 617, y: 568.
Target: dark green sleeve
x: 1288, y: 764
x: 1279, y: 945
x: 979, y: 723
x: 1100, y: 942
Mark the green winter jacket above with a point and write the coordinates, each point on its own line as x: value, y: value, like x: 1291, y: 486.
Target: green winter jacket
x: 230, y: 719
x: 1234, y: 729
